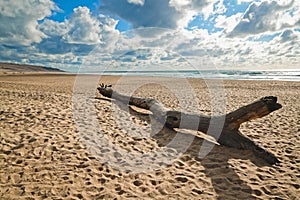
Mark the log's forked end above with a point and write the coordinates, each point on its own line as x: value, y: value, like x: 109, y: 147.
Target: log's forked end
x: 105, y: 90
x: 271, y: 103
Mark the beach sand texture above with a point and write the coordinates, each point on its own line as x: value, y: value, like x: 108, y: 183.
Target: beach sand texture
x: 43, y: 156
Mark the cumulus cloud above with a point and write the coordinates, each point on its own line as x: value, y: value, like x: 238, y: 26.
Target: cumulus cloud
x: 19, y: 21
x: 53, y: 28
x: 83, y: 28
x: 137, y: 2
x: 288, y: 36
x: 228, y: 23
x: 79, y: 34
x: 267, y: 16
x: 49, y: 42
x: 93, y: 39
x: 156, y: 13
x: 220, y: 7
x: 244, y: 1
x: 195, y: 5
x: 283, y: 50
x: 207, y: 50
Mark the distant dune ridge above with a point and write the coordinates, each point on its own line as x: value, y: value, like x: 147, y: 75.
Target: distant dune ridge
x: 13, y: 67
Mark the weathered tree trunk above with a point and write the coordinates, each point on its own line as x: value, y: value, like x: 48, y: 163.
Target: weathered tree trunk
x: 230, y: 135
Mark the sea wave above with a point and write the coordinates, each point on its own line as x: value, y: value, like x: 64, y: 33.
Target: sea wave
x: 213, y: 74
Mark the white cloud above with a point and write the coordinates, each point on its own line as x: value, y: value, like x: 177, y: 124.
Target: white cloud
x: 175, y: 50
x: 19, y: 21
x: 205, y: 50
x: 288, y: 36
x: 68, y: 43
x: 243, y: 1
x: 79, y: 33
x: 267, y: 16
x: 228, y: 23
x: 192, y: 8
x: 170, y: 14
x: 284, y: 49
x: 154, y: 13
x: 206, y: 7
x: 137, y: 2
x: 180, y: 4
x: 53, y: 28
x: 220, y: 7
x: 83, y: 28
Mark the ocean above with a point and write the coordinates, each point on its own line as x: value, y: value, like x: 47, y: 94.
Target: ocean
x: 291, y: 75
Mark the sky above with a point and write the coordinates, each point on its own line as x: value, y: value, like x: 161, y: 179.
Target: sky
x: 97, y: 35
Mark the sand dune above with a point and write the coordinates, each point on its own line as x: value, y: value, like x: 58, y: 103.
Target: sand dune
x: 44, y: 153
x: 8, y: 68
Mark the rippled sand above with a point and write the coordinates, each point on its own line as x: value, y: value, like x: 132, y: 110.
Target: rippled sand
x: 47, y: 151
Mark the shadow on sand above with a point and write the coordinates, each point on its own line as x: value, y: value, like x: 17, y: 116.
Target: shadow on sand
x: 225, y: 179
x: 226, y: 182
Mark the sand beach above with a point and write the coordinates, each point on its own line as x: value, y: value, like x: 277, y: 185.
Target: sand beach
x: 44, y: 154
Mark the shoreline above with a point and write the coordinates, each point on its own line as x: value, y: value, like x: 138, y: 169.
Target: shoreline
x: 137, y: 76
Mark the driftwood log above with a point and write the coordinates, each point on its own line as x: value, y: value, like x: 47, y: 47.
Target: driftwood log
x: 230, y: 135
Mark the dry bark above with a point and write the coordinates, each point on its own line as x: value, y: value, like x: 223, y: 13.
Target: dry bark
x: 230, y: 135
